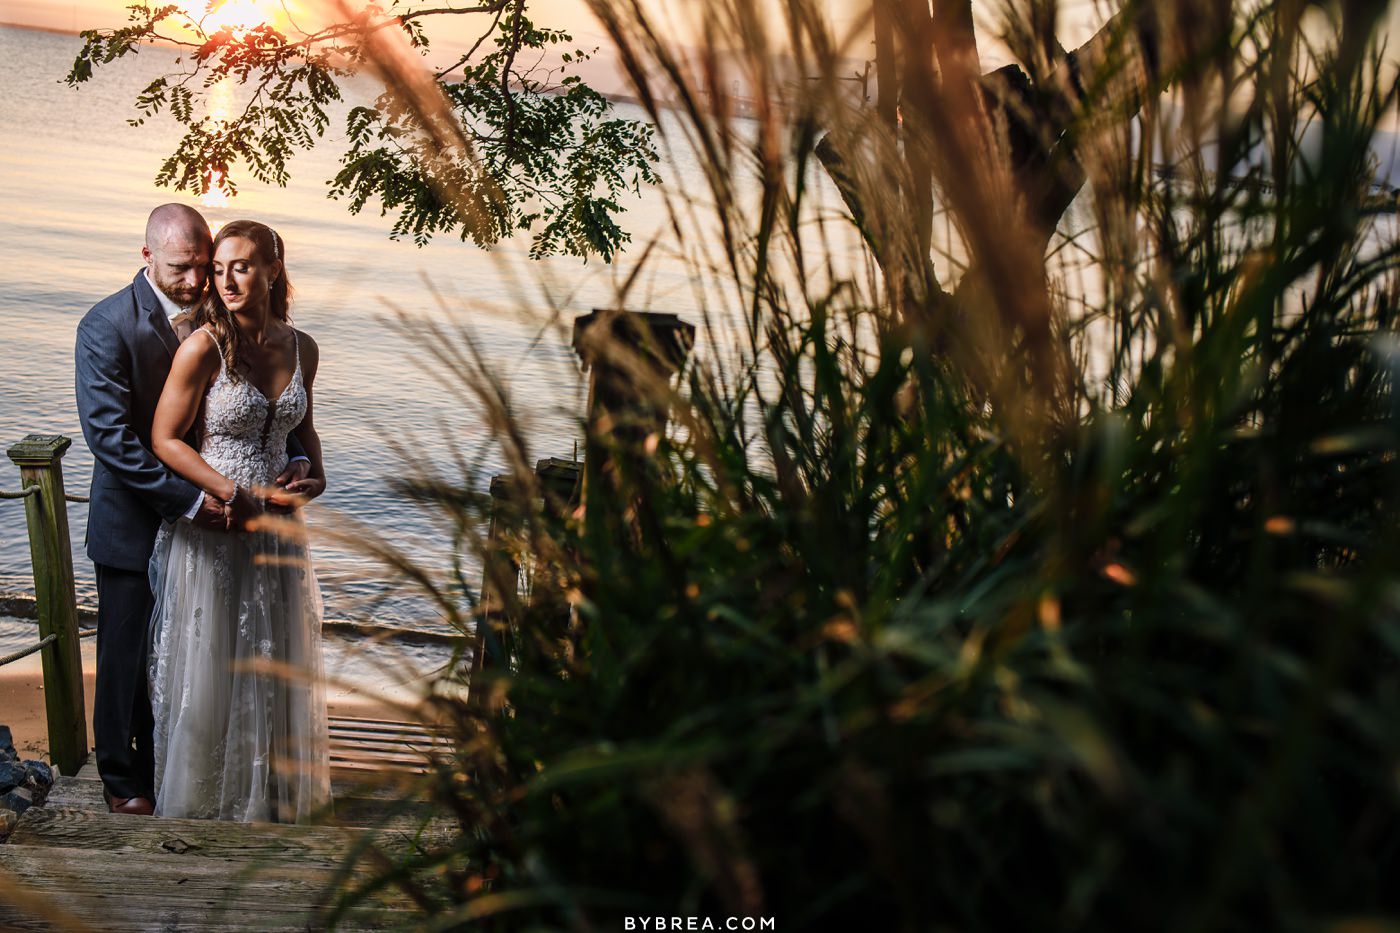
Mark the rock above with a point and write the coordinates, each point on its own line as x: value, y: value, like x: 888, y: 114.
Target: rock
x: 7, y: 745
x: 12, y: 774
x: 18, y: 800
x: 39, y: 779
x: 41, y: 771
x: 8, y: 819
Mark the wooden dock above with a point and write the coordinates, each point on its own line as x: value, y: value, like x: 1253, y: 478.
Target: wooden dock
x: 81, y: 867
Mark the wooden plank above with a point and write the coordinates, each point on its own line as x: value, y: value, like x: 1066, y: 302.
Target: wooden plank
x: 407, y: 752
x: 346, y: 747
x: 309, y: 846
x: 345, y: 728
x: 358, y: 761
x: 355, y: 804
x: 393, y: 816
x: 78, y: 793
x: 399, y: 724
x: 372, y: 735
x: 143, y: 892
x: 370, y: 767
x: 355, y: 783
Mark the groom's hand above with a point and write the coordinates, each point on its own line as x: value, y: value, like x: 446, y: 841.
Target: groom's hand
x: 296, y: 470
x: 295, y: 495
x: 278, y: 499
x: 307, y: 489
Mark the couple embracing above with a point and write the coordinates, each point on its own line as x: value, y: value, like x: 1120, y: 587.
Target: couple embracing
x: 195, y: 396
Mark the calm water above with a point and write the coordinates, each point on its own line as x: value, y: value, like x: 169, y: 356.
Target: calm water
x: 75, y: 188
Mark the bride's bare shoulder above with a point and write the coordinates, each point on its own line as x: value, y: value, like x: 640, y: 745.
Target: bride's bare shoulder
x: 199, y: 350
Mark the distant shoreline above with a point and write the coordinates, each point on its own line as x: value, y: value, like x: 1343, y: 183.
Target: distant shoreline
x: 54, y: 30
x: 21, y: 605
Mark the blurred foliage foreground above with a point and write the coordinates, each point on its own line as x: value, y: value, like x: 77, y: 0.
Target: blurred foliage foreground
x: 1037, y: 569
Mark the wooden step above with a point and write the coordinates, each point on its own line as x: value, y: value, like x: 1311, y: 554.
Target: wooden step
x: 309, y: 846
x: 377, y: 783
x: 56, y: 888
x: 362, y: 747
x: 354, y: 805
x: 365, y: 775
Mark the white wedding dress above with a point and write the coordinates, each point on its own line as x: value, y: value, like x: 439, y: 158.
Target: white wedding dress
x: 235, y: 663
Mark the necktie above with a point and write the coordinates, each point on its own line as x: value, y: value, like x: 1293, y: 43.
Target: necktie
x: 183, y: 324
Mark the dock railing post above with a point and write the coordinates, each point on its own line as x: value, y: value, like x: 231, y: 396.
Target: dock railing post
x: 39, y: 457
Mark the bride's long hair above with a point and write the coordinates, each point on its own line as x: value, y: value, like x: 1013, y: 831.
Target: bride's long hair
x: 214, y: 313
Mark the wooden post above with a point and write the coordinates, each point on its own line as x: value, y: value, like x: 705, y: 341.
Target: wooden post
x: 632, y: 356
x: 496, y: 639
x: 499, y: 577
x: 560, y: 485
x: 39, y: 457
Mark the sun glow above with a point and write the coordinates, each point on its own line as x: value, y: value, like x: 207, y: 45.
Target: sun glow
x: 237, y: 16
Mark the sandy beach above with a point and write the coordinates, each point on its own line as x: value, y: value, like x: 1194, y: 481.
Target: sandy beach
x: 354, y: 688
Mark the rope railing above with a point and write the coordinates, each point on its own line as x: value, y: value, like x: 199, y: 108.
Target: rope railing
x: 26, y: 652
x: 31, y: 490
x: 39, y: 646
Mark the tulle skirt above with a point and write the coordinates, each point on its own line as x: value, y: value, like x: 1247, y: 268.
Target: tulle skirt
x: 235, y: 676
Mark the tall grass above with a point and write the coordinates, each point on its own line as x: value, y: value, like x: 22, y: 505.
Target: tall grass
x: 1012, y: 568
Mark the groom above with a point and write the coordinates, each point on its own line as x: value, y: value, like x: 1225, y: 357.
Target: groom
x: 124, y: 348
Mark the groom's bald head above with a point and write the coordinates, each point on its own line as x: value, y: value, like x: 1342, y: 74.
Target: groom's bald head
x: 175, y: 223
x: 177, y: 252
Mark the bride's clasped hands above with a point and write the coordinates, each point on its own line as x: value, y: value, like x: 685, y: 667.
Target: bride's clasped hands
x: 245, y: 509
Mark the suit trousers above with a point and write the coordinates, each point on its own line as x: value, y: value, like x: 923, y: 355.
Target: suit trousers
x: 121, y: 717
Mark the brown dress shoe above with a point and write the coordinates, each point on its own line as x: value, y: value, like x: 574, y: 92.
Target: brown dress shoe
x: 134, y: 806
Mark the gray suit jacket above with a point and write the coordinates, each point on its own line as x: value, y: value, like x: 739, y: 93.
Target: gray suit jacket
x: 124, y: 348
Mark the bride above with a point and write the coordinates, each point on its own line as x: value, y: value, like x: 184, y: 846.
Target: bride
x: 235, y: 669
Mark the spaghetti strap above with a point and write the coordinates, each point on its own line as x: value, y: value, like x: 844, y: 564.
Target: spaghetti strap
x: 214, y: 337
x: 296, y: 348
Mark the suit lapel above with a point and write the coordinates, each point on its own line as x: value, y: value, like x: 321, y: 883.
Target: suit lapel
x: 155, y: 315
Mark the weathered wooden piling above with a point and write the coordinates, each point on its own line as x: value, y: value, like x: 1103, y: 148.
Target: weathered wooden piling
x: 631, y: 357
x: 39, y: 457
x: 557, y: 482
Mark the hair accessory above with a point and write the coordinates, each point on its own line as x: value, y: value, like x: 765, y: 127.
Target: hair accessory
x: 276, y: 244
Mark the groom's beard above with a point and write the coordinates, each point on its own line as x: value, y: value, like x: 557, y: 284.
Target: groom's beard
x: 182, y: 295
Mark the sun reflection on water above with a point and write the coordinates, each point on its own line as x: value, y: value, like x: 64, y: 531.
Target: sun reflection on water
x: 214, y: 195
x: 220, y: 109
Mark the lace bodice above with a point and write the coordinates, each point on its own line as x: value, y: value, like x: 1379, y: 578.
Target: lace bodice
x: 245, y: 434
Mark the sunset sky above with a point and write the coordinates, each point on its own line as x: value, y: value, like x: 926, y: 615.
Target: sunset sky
x: 1078, y: 17
x: 1078, y: 20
